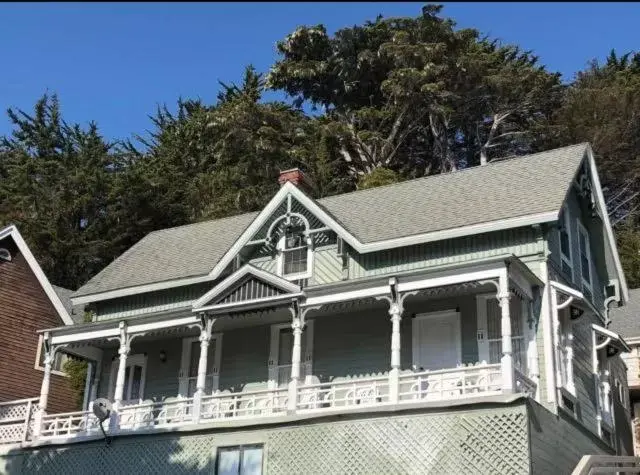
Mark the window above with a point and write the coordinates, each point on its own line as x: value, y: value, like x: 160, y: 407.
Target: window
x: 565, y: 242
x: 585, y: 257
x: 490, y: 310
x: 565, y: 351
x: 280, y: 353
x: 295, y: 253
x: 60, y: 358
x: 239, y: 460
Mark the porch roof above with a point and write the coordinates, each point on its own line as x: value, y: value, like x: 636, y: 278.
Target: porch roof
x: 477, y: 270
x: 500, y: 191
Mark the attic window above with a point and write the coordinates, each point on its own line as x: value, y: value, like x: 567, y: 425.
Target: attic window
x: 5, y: 255
x: 295, y: 253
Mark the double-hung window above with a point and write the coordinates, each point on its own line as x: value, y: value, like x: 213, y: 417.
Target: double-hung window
x: 585, y: 258
x: 565, y: 243
x: 239, y: 460
x: 294, y: 254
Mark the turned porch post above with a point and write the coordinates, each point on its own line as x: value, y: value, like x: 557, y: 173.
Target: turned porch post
x: 46, y: 381
x: 504, y: 297
x: 206, y: 325
x: 123, y: 352
x: 297, y: 324
x: 395, y: 312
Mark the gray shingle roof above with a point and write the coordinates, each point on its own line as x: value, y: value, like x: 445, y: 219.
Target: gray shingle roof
x: 626, y: 320
x: 76, y: 313
x: 502, y: 189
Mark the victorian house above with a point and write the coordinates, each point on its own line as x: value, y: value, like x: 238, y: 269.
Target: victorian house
x: 456, y: 323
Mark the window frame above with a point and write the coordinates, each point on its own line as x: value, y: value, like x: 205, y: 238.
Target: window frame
x: 565, y: 225
x: 587, y: 241
x: 138, y: 359
x: 241, y: 448
x: 306, y: 358
x: 281, y: 257
x: 39, y: 353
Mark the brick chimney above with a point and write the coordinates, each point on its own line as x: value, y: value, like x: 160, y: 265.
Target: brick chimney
x: 296, y: 177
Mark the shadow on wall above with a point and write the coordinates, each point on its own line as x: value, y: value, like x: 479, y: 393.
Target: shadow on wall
x: 166, y: 455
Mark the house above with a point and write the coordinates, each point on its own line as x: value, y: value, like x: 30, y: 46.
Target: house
x: 626, y: 322
x: 449, y: 324
x: 28, y: 302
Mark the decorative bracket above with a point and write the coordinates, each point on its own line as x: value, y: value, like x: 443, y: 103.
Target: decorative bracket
x: 395, y: 298
x: 125, y: 339
x: 51, y: 350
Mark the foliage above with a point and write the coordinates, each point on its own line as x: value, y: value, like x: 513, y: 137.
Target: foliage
x: 76, y: 370
x: 379, y: 177
x: 394, y: 98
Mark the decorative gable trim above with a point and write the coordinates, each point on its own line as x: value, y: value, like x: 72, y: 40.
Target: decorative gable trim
x: 246, y: 284
x: 13, y: 233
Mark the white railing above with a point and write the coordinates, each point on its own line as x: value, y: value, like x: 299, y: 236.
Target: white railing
x: 591, y: 464
x: 466, y: 381
x: 244, y: 404
x: 68, y: 424
x: 149, y: 414
x: 346, y: 393
x: 16, y: 420
x: 282, y: 373
x: 524, y: 384
x: 190, y: 383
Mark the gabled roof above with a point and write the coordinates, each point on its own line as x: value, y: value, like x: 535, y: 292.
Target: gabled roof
x: 13, y: 233
x: 626, y: 320
x: 503, y: 194
x: 246, y: 284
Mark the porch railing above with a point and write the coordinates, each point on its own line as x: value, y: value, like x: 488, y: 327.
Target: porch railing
x: 524, y: 384
x: 282, y: 373
x: 16, y: 420
x: 244, y: 404
x: 343, y: 393
x: 466, y: 381
x: 340, y: 394
x: 68, y: 424
x: 162, y: 413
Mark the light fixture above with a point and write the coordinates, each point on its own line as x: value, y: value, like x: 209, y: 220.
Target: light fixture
x: 163, y: 356
x: 575, y: 312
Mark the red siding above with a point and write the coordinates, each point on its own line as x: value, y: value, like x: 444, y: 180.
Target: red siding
x: 25, y: 308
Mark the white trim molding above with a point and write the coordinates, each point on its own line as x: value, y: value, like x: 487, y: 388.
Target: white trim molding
x: 581, y: 230
x: 247, y: 269
x: 12, y: 232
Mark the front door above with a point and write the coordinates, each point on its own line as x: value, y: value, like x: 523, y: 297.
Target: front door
x: 134, y: 378
x: 436, y: 340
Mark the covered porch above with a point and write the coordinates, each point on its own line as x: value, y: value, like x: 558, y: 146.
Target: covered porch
x: 449, y: 335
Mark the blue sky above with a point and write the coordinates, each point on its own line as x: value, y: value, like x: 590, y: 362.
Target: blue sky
x: 113, y: 63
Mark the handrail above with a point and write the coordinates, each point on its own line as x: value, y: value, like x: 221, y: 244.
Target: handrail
x: 450, y: 371
x: 244, y: 393
x: 19, y: 401
x: 345, y: 382
x: 607, y: 464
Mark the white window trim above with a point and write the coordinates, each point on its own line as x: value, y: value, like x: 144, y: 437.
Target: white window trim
x: 138, y: 359
x: 306, y: 358
x: 186, y: 359
x: 37, y: 362
x: 415, y: 343
x: 567, y: 225
x: 300, y: 275
x: 585, y: 283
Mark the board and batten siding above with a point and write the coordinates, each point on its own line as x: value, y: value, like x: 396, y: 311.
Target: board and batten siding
x: 520, y: 242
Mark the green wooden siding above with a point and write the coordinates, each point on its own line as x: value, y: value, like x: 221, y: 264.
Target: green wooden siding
x: 245, y: 357
x: 160, y: 301
x: 577, y: 211
x: 266, y: 263
x: 327, y: 266
x: 521, y: 242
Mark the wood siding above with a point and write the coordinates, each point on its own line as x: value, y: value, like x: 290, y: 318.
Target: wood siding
x: 24, y: 309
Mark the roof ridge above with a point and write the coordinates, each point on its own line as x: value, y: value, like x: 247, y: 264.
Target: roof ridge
x: 492, y: 163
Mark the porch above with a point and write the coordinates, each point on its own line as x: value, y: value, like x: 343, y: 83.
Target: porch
x: 305, y: 358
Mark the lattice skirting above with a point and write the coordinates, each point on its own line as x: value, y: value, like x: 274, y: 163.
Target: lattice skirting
x: 486, y: 441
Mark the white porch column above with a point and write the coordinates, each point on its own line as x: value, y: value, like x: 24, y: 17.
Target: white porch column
x: 506, y: 361
x: 46, y: 381
x: 201, y: 381
x: 123, y: 352
x: 296, y: 353
x: 395, y: 311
